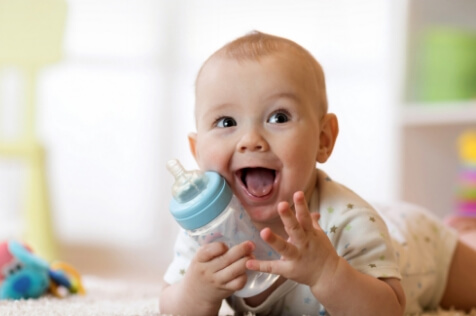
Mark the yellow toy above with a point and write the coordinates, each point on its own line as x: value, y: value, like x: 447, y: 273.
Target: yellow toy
x: 31, y: 37
x: 466, y: 192
x: 467, y: 146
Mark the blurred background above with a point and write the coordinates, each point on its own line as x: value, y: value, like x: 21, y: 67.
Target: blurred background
x: 96, y: 96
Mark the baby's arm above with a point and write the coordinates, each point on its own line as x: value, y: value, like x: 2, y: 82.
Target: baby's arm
x: 350, y: 292
x: 214, y: 274
x: 308, y: 257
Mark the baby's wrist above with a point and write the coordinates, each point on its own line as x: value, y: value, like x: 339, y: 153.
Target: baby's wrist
x: 209, y: 299
x: 331, y: 272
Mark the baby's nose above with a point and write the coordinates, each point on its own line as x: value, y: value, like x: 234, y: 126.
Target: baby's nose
x: 252, y: 141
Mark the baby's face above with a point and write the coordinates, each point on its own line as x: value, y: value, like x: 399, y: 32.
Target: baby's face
x: 258, y: 125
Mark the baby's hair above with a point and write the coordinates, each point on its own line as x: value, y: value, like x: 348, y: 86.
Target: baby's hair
x: 256, y: 45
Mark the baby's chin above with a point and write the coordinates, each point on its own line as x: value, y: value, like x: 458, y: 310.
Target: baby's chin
x: 263, y: 215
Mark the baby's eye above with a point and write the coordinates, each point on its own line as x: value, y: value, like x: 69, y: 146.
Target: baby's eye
x: 279, y: 117
x: 224, y: 122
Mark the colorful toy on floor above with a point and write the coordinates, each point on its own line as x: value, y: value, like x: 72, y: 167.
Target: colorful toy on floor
x: 466, y: 191
x: 25, y: 275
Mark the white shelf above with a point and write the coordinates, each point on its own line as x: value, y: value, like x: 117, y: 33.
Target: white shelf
x: 434, y: 114
x: 428, y: 131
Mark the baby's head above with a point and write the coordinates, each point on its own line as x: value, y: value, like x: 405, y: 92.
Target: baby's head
x: 256, y: 46
x: 262, y: 121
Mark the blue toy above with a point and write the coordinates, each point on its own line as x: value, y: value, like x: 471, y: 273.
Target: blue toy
x: 25, y: 275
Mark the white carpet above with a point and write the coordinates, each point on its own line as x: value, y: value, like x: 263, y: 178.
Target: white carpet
x: 103, y: 297
x: 111, y: 297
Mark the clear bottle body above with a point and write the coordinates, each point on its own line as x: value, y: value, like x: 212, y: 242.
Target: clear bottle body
x: 233, y: 226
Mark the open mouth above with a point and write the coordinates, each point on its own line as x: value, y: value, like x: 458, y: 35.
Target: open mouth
x: 258, y: 181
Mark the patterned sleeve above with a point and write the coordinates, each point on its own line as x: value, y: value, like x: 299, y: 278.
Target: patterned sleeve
x: 361, y: 237
x: 184, y: 251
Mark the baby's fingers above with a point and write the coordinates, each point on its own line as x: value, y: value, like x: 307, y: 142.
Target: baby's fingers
x: 220, y: 256
x: 235, y: 253
x: 291, y: 225
x: 283, y: 247
x: 211, y: 251
x: 315, y: 220
x: 272, y: 267
x: 302, y: 212
x: 233, y: 277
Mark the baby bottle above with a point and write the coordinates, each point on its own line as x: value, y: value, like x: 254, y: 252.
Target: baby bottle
x: 204, y: 205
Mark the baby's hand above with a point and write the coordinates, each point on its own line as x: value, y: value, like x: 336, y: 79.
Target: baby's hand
x: 307, y: 253
x: 216, y: 271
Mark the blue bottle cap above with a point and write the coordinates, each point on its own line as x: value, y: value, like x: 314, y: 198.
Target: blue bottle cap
x: 204, y: 207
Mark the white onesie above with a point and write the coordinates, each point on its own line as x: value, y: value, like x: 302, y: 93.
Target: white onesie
x: 401, y: 241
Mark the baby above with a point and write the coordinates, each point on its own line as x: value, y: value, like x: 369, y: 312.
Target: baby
x: 263, y: 124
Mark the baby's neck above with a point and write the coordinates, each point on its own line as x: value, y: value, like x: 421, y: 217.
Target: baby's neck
x: 276, y: 227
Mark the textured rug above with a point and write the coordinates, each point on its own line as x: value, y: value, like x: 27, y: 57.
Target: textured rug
x: 112, y: 297
x: 103, y: 297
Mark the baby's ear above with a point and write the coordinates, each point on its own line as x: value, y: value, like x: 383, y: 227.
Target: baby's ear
x: 327, y: 137
x: 192, y: 143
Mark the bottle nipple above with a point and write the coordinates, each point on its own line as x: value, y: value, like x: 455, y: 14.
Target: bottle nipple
x: 188, y: 184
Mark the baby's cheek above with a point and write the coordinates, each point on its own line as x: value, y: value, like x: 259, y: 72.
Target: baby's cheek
x: 213, y: 158
x: 301, y: 181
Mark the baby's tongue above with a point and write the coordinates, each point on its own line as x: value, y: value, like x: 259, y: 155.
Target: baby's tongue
x: 259, y: 181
